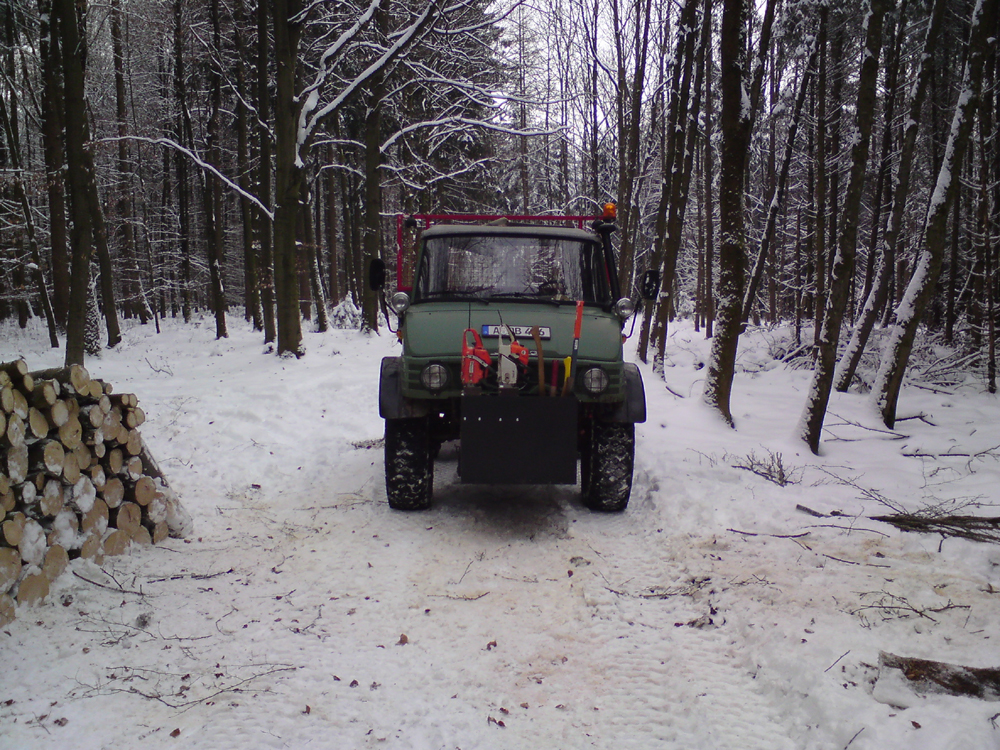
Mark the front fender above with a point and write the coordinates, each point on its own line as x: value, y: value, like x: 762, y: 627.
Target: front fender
x: 391, y: 402
x: 633, y: 408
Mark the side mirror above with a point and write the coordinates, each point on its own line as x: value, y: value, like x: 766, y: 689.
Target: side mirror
x: 650, y: 285
x: 376, y: 274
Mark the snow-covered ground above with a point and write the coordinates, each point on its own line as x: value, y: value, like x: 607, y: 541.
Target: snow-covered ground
x: 713, y: 613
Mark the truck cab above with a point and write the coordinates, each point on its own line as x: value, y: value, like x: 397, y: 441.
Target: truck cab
x: 512, y: 343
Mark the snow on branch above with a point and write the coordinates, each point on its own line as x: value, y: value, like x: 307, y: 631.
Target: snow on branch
x: 197, y: 160
x: 310, y: 116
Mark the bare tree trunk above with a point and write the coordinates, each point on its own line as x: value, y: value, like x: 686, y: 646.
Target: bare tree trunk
x: 669, y: 218
x: 80, y: 172
x: 879, y: 292
x: 53, y: 150
x: 312, y: 258
x: 778, y: 191
x: 125, y: 207
x: 184, y: 135
x: 709, y: 305
x: 735, y: 126
x: 819, y: 252
x: 889, y: 380
x: 287, y: 178
x: 332, y: 221
x: 214, y: 233
x: 251, y: 276
x: 264, y: 224
x: 629, y: 90
x: 373, y: 174
x: 811, y: 423
x: 29, y: 224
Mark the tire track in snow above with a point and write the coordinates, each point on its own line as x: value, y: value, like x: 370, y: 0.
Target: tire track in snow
x: 597, y: 668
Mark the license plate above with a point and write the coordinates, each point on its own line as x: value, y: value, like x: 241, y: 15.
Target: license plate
x: 519, y: 331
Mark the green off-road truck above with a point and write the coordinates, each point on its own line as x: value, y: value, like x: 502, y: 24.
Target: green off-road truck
x: 512, y: 344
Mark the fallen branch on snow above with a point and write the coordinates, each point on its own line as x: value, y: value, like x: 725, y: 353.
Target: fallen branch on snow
x: 934, y: 677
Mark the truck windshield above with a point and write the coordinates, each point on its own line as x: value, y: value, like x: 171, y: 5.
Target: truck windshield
x: 512, y: 267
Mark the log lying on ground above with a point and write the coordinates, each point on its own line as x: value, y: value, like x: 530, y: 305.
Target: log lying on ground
x: 924, y: 677
x: 976, y: 528
x: 76, y: 479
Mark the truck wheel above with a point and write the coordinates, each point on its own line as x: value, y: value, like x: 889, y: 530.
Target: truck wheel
x: 409, y: 469
x: 606, y: 466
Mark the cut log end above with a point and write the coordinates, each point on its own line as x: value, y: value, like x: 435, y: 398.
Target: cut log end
x: 56, y: 560
x: 7, y: 610
x: 33, y: 590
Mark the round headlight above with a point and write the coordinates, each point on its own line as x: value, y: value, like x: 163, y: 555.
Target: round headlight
x: 595, y: 381
x: 399, y: 302
x: 434, y: 377
x: 624, y: 308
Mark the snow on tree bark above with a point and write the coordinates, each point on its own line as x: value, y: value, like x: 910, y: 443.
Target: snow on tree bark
x: 892, y: 366
x: 811, y: 423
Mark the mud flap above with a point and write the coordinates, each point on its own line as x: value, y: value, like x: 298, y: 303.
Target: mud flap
x: 518, y: 440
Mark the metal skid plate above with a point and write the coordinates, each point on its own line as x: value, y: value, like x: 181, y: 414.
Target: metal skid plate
x: 518, y: 440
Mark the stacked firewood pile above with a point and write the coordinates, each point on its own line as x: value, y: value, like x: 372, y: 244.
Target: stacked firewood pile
x: 76, y: 479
